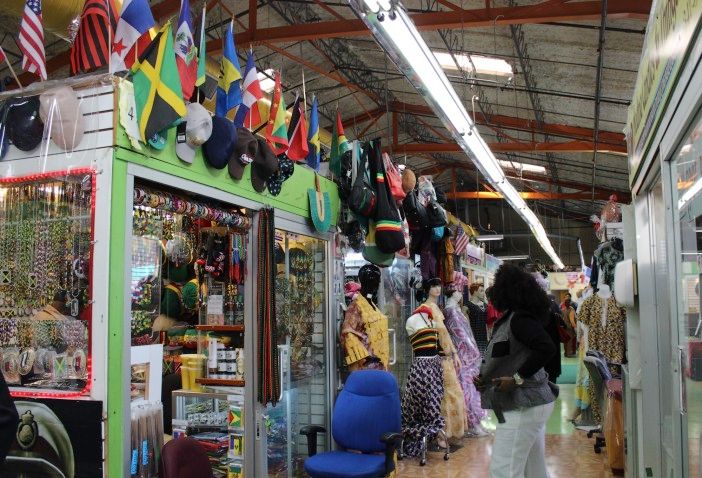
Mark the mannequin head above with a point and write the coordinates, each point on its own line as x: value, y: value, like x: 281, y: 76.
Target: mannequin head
x: 369, y: 277
x: 454, y: 295
x: 604, y: 291
x: 477, y: 292
x: 432, y: 288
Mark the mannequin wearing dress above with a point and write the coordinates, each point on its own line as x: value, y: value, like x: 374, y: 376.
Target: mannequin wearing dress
x: 453, y: 403
x: 469, y: 357
x: 477, y: 315
x: 364, y: 332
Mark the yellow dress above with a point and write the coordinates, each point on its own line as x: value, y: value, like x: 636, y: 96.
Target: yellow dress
x: 364, y: 335
x: 453, y: 403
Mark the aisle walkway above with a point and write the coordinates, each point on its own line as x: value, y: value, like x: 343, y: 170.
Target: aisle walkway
x: 568, y: 452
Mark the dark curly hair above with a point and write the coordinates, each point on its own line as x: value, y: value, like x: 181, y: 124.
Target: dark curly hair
x: 515, y: 289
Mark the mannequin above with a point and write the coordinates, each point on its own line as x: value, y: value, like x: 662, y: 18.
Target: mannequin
x: 453, y: 403
x: 469, y: 358
x: 477, y: 313
x: 424, y: 390
x: 364, y: 332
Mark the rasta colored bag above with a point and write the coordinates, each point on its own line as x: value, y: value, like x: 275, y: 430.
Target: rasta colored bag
x: 388, y: 224
x: 363, y: 199
x: 394, y: 178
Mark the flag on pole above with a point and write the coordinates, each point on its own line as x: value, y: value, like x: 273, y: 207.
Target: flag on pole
x: 229, y: 88
x: 277, y: 131
x: 91, y: 49
x: 202, y: 55
x: 157, y: 93
x: 338, y: 147
x: 461, y: 241
x: 31, y: 39
x: 298, y: 149
x: 313, y: 156
x: 248, y: 113
x: 186, y: 53
x: 135, y: 19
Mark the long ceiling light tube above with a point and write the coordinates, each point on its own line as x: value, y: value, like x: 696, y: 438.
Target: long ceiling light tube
x: 398, y: 36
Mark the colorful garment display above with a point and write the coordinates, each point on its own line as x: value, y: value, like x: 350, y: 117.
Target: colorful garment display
x: 582, y: 380
x: 477, y: 316
x: 605, y: 323
x: 364, y: 336
x: 421, y: 403
x: 452, y: 404
x: 469, y: 357
x: 268, y: 359
x: 607, y: 255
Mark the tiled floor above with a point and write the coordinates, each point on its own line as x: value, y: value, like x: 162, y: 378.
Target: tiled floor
x: 569, y: 452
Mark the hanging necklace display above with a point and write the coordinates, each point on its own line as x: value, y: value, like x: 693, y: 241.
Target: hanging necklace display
x: 78, y: 263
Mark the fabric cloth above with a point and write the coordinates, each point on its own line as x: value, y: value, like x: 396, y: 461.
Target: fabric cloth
x: 453, y: 403
x: 607, y: 257
x: 469, y: 356
x: 518, y: 344
x: 364, y: 336
x: 609, y: 340
x: 582, y: 380
x: 568, y: 319
x: 478, y: 323
x: 519, y: 447
x: 421, y: 403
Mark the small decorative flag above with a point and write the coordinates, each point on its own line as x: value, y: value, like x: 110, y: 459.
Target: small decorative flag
x: 229, y: 87
x: 134, y: 20
x: 31, y: 39
x: 202, y: 55
x: 157, y: 93
x: 313, y: 157
x: 248, y: 113
x: 186, y: 53
x: 2, y: 55
x: 90, y: 49
x: 338, y: 147
x: 461, y: 241
x: 298, y: 139
x: 277, y: 130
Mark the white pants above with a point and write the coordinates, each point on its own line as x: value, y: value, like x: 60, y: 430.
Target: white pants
x: 519, y: 447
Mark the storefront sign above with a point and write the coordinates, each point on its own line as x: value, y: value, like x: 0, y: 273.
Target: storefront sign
x: 57, y: 438
x: 474, y: 254
x: 672, y: 27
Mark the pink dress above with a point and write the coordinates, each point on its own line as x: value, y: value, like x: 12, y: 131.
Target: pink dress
x: 470, y: 357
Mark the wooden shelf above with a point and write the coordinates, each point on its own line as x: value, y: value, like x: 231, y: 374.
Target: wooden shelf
x: 215, y: 382
x: 220, y: 328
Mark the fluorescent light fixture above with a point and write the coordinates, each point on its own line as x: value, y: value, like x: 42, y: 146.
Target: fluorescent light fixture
x: 516, y: 166
x: 512, y: 258
x: 489, y: 237
x: 480, y: 65
x: 690, y: 194
x: 397, y: 35
x: 266, y: 79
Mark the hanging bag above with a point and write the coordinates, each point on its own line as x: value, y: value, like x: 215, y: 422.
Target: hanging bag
x: 388, y: 224
x: 415, y: 212
x: 394, y: 178
x: 363, y: 195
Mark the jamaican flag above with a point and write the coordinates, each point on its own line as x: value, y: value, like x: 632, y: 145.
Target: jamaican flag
x: 157, y: 92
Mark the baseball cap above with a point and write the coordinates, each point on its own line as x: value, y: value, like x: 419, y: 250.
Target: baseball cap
x: 285, y: 170
x: 220, y: 145
x: 244, y: 153
x: 193, y: 132
x: 158, y: 140
x: 24, y: 123
x: 264, y: 166
x: 60, y: 109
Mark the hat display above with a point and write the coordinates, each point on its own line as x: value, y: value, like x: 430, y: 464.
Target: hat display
x: 219, y: 147
x: 158, y: 140
x: 60, y: 110
x: 264, y: 166
x: 285, y: 170
x: 409, y: 180
x: 193, y: 132
x: 24, y: 122
x: 244, y: 153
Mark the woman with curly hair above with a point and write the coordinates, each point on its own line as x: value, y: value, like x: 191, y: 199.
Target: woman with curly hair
x: 512, y: 379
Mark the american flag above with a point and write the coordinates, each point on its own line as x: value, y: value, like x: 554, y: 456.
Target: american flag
x: 31, y: 39
x: 461, y: 240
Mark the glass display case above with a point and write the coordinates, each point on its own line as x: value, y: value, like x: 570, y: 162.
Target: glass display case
x: 46, y: 242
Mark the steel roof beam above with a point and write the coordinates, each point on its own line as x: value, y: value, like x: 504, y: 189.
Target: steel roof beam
x: 512, y: 147
x: 530, y: 195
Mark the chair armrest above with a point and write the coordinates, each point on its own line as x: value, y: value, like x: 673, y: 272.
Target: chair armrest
x: 311, y: 431
x: 392, y: 442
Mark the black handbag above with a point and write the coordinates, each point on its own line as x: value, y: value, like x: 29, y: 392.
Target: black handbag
x: 435, y: 215
x: 363, y: 197
x: 415, y: 212
x: 388, y: 223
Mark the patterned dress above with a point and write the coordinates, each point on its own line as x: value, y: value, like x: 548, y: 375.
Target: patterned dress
x: 478, y: 323
x: 469, y: 356
x: 364, y: 336
x: 608, y: 339
x: 453, y: 403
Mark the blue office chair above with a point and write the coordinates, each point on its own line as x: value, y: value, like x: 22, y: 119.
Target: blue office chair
x: 366, y: 425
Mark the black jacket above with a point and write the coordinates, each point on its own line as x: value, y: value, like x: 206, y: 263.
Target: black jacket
x: 553, y: 367
x: 8, y: 420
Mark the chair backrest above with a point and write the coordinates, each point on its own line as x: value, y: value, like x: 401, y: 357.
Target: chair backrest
x: 184, y: 458
x: 367, y: 407
x: 596, y: 375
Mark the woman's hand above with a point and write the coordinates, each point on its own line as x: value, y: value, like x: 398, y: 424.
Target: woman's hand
x: 504, y: 384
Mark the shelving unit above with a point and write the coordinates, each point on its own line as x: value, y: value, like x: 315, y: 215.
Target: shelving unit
x: 215, y: 382
x: 220, y: 328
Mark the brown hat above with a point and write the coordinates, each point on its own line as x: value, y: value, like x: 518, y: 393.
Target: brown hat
x: 244, y: 153
x: 264, y: 165
x: 409, y: 180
